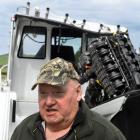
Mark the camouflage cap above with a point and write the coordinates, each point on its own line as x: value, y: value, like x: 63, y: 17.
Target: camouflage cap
x: 56, y: 72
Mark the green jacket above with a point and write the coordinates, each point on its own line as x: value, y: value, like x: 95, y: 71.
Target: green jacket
x: 87, y: 126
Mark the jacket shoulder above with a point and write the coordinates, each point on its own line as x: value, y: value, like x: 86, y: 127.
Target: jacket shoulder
x: 102, y: 125
x: 29, y: 120
x: 23, y: 126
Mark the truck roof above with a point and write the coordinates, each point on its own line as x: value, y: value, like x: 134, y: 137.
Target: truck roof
x: 92, y: 27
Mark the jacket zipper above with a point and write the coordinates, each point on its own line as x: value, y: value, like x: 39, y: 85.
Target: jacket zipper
x: 75, y: 134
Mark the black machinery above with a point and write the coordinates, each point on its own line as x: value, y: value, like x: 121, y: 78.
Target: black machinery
x: 111, y: 65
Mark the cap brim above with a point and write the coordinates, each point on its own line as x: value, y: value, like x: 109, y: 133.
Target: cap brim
x: 34, y: 86
x: 50, y: 83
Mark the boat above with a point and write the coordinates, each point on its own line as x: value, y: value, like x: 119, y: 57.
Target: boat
x: 34, y: 41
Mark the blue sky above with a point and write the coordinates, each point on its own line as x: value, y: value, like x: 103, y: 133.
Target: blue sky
x: 123, y: 12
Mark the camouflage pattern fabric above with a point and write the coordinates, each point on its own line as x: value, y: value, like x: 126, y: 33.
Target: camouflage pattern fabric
x: 56, y: 72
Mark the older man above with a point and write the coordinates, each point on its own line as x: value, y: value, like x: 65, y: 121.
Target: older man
x: 63, y: 115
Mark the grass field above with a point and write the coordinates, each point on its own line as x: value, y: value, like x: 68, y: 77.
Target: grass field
x: 3, y: 61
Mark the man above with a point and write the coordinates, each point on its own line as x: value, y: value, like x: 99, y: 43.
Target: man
x: 63, y: 115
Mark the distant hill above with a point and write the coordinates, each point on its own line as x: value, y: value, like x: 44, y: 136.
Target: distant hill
x: 3, y: 59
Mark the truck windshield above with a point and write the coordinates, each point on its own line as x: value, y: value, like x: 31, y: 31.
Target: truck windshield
x: 33, y: 43
x: 66, y: 43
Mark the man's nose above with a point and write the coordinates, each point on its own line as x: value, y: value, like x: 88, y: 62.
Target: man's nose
x: 50, y: 100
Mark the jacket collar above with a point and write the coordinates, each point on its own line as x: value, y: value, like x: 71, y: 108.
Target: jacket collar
x: 34, y: 126
x: 83, y: 124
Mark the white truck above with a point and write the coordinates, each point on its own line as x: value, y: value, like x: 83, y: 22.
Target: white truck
x: 34, y: 41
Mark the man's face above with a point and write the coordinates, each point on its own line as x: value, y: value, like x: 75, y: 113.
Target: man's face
x: 59, y: 104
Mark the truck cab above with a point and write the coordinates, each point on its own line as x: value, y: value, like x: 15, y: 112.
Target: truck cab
x: 34, y: 41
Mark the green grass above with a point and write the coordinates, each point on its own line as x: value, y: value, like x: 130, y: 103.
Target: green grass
x: 3, y: 59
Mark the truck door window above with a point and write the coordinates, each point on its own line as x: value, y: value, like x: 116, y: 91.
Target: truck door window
x: 66, y: 43
x: 33, y: 43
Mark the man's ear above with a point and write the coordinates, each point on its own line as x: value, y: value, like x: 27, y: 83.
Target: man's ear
x: 79, y: 93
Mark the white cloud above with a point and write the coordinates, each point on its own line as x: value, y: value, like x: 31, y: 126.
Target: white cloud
x: 8, y: 2
x: 123, y: 12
